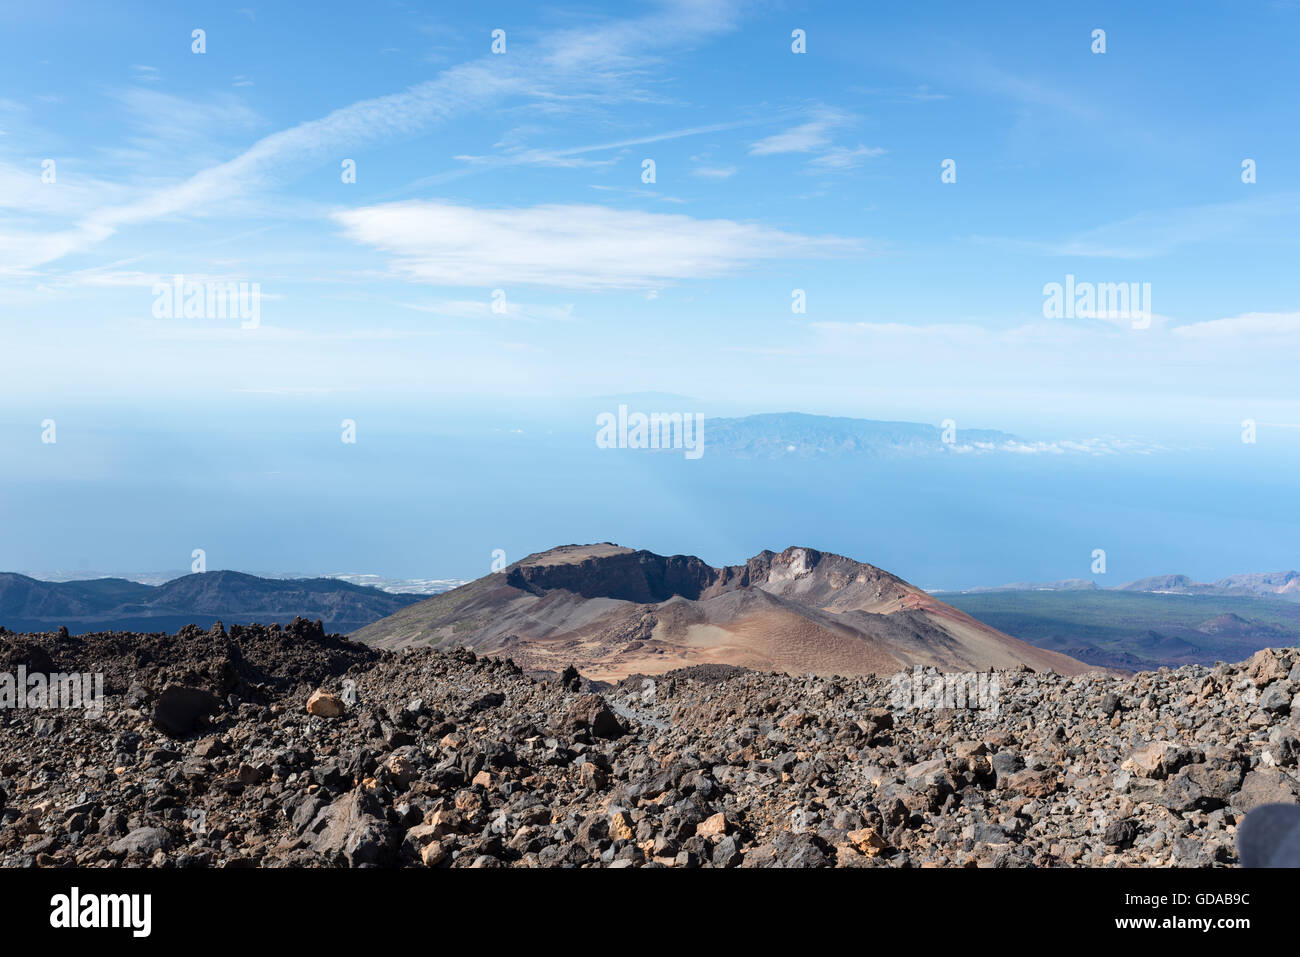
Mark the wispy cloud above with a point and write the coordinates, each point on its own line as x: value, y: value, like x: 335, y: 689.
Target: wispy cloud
x: 482, y: 309
x: 570, y: 56
x: 365, y: 122
x: 162, y: 123
x: 1160, y: 232
x: 839, y: 158
x: 574, y: 156
x: 617, y: 47
x: 569, y: 246
x: 1251, y: 325
x: 921, y: 93
x: 815, y: 134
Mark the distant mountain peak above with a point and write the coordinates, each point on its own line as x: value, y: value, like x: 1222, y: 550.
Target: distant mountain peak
x: 1284, y: 585
x: 615, y: 611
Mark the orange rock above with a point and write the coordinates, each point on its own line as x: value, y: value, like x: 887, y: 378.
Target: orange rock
x: 620, y: 827
x: 868, y: 841
x: 325, y: 705
x: 715, y: 826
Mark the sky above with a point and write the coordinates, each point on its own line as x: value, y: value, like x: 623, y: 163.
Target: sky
x: 502, y: 244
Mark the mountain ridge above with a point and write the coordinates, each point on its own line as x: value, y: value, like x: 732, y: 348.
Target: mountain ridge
x: 29, y: 604
x: 1283, y: 584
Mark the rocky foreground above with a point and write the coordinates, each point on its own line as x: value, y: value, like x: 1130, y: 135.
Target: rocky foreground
x: 289, y: 748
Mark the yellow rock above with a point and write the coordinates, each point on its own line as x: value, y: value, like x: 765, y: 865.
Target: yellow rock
x: 868, y: 841
x: 715, y: 826
x: 400, y: 768
x: 445, y: 821
x: 325, y: 705
x: 620, y: 827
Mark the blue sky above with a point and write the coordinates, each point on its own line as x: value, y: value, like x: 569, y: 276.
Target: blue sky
x: 774, y: 171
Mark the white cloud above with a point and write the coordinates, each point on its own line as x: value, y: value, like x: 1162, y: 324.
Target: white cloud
x: 163, y: 124
x: 1250, y: 325
x: 816, y: 136
x: 482, y: 309
x: 362, y: 123
x: 841, y: 158
x: 516, y: 155
x: 917, y: 94
x: 591, y: 56
x: 804, y: 138
x: 714, y: 172
x: 1160, y: 232
x: 617, y: 47
x: 73, y: 193
x: 569, y: 246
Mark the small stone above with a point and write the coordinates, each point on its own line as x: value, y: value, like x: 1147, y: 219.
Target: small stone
x: 1120, y: 834
x: 211, y: 748
x: 1032, y: 783
x: 433, y: 854
x: 591, y: 777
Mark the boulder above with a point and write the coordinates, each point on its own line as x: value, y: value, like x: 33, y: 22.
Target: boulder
x: 590, y: 712
x: 325, y: 705
x: 143, y: 842
x: 714, y: 826
x: 353, y: 831
x: 179, y: 709
x: 1266, y: 786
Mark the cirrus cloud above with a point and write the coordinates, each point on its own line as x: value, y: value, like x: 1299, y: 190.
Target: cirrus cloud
x: 1248, y: 326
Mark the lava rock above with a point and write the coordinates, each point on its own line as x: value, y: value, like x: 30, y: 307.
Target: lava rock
x: 179, y: 709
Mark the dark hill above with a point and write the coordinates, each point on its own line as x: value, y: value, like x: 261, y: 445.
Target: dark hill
x: 114, y: 604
